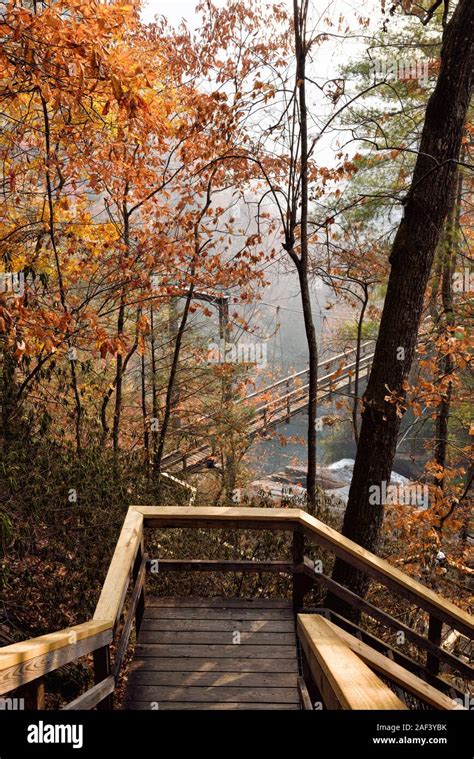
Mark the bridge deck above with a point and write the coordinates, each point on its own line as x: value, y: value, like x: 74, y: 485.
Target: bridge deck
x: 205, y: 653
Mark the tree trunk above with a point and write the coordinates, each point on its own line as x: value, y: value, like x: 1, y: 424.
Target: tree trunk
x: 171, y: 381
x: 120, y: 328
x: 146, y: 432
x: 426, y: 206
x: 154, y: 393
x: 302, y: 261
x: 355, y: 405
x: 447, y: 322
x: 313, y: 386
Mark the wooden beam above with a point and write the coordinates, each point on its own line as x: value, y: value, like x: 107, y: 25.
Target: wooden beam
x: 342, y: 678
x: 125, y: 636
x: 93, y: 696
x: 102, y: 671
x: 33, y: 695
x: 139, y: 569
x: 54, y: 653
x: 116, y: 582
x: 218, y: 517
x: 435, y: 633
x: 304, y: 695
x: 393, y: 671
x: 299, y: 583
x: 18, y: 653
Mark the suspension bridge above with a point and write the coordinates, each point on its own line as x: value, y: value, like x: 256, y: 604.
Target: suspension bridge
x: 278, y: 402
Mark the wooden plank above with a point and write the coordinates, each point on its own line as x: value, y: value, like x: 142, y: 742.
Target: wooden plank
x: 305, y: 699
x: 343, y: 679
x: 185, y: 637
x: 227, y: 664
x: 216, y: 706
x: 127, y: 628
x: 32, y: 668
x: 219, y: 694
x: 393, y: 671
x: 102, y: 671
x: 18, y: 653
x: 93, y: 696
x: 217, y: 625
x: 216, y: 679
x: 116, y: 582
x: 220, y: 603
x: 214, y: 651
x: 200, y: 613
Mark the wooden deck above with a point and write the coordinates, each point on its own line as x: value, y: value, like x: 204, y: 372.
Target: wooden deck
x: 239, y: 653
x: 204, y: 653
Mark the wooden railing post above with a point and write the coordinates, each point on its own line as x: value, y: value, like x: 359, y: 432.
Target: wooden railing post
x: 299, y: 584
x: 33, y: 695
x: 142, y: 598
x: 102, y: 670
x: 434, y: 635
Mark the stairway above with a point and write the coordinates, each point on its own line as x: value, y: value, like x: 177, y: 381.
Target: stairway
x: 207, y: 653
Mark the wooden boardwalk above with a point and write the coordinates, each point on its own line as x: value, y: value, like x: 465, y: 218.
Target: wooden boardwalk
x: 276, y: 404
x: 204, y: 653
x: 196, y: 653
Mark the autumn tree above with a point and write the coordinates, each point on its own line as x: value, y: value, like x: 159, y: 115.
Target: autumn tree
x: 425, y: 208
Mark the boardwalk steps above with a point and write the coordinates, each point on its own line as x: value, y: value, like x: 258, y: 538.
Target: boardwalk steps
x: 195, y: 653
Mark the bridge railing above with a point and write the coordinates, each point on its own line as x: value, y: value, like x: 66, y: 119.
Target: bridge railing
x: 291, y: 401
x: 296, y: 377
x: 24, y: 665
x: 285, y: 393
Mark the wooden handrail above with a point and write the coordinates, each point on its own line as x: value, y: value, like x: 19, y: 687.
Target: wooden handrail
x: 386, y: 619
x: 322, y: 382
x: 302, y: 372
x: 117, y: 580
x: 342, y: 678
x: 19, y: 653
x: 397, y: 674
x: 20, y: 663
